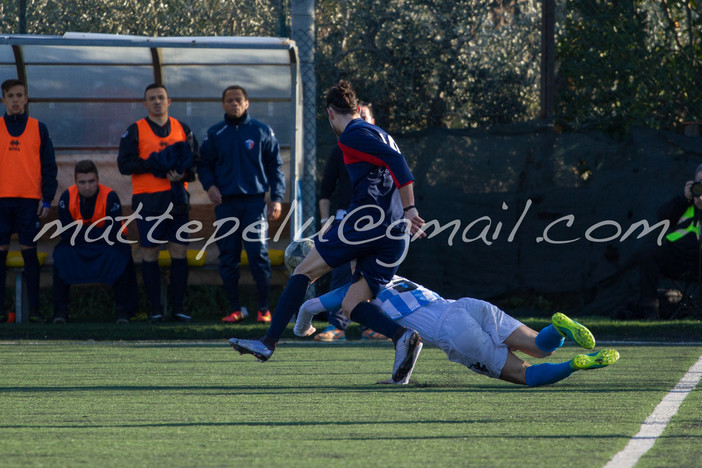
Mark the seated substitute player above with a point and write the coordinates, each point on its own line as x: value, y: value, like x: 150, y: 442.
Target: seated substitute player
x: 474, y: 333
x: 91, y: 252
x: 373, y: 232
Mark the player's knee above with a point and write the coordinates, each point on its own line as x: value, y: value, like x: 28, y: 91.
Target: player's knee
x: 347, y: 306
x: 150, y: 254
x: 313, y: 268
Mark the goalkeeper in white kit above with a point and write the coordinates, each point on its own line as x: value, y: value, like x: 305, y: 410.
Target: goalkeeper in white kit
x: 474, y: 333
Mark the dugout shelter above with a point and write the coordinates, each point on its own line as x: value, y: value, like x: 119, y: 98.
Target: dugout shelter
x: 87, y: 88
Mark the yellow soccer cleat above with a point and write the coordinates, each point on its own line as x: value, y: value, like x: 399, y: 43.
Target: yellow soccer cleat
x: 573, y: 330
x: 596, y: 360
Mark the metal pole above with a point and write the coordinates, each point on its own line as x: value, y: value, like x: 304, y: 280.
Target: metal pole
x: 22, y: 13
x: 548, y: 59
x: 302, y: 22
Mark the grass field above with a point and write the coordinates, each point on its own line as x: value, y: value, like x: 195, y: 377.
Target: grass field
x: 201, y: 404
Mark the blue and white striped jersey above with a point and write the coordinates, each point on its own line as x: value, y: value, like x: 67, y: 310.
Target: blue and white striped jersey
x: 398, y: 299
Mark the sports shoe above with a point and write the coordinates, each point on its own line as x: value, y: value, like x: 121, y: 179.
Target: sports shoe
x: 236, y: 316
x: 331, y: 333
x: 369, y: 334
x: 255, y: 347
x: 573, y: 330
x: 182, y: 317
x: 264, y: 316
x: 406, y: 353
x: 596, y: 360
x: 157, y: 317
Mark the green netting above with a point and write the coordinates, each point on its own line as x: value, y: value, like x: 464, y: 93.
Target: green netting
x: 536, y: 211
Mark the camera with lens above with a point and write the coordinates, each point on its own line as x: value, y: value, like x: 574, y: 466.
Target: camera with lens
x: 696, y: 189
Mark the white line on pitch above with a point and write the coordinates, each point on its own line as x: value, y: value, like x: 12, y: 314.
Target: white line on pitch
x: 656, y: 423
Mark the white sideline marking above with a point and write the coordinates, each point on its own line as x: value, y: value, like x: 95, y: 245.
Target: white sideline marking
x: 657, y: 421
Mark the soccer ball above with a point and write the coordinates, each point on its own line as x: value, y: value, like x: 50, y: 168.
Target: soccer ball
x: 296, y: 252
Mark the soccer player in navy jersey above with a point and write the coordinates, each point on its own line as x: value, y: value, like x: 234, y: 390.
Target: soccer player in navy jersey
x: 374, y: 232
x: 474, y: 333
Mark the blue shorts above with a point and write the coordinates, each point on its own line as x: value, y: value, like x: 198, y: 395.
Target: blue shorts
x: 19, y: 215
x: 377, y: 255
x: 165, y: 230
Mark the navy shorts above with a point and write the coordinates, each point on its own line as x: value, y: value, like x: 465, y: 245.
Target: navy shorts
x: 165, y: 230
x: 377, y: 254
x: 19, y: 215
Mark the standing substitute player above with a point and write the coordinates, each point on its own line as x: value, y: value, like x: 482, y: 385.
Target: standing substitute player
x: 373, y: 232
x: 27, y: 186
x: 155, y: 153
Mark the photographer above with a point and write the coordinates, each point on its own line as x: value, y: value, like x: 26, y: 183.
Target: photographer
x: 680, y: 251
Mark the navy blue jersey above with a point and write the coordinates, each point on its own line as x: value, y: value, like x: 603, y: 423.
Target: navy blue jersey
x: 376, y: 169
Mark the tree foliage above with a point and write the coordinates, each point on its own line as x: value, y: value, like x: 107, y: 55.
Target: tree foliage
x: 433, y: 63
x: 448, y: 63
x: 148, y: 17
x: 629, y: 63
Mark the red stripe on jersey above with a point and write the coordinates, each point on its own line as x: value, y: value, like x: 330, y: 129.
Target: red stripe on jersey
x: 352, y: 156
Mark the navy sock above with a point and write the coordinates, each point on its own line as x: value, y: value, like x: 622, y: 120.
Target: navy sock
x: 289, y: 303
x: 151, y: 275
x: 31, y: 277
x: 373, y: 317
x: 179, y: 283
x: 3, y: 279
x: 547, y: 373
x: 549, y: 340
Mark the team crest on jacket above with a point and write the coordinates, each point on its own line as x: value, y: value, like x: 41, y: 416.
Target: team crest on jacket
x: 249, y: 144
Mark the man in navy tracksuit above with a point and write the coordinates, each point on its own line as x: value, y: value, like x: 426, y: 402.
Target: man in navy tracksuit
x: 240, y: 162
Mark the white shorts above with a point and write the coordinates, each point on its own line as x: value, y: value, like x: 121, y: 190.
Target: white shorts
x: 470, y: 331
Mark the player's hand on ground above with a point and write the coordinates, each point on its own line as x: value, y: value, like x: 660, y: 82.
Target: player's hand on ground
x: 416, y: 223
x: 215, y: 195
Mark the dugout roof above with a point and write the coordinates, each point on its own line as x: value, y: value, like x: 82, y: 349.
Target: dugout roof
x: 88, y: 88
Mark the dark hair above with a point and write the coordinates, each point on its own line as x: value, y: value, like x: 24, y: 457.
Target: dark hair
x: 86, y: 166
x: 342, y: 98
x: 155, y: 86
x: 232, y: 87
x: 7, y: 84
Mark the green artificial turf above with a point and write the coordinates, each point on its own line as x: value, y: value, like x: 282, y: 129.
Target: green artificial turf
x: 201, y: 404
x: 210, y: 328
